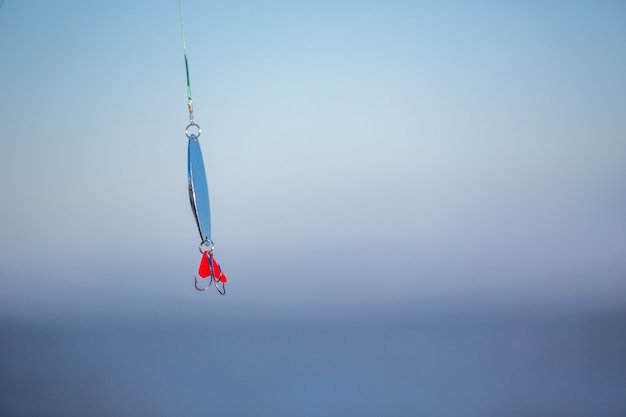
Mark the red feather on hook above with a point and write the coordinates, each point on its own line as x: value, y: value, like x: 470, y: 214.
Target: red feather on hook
x: 205, y: 268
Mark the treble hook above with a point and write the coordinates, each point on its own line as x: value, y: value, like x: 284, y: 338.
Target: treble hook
x: 209, y: 268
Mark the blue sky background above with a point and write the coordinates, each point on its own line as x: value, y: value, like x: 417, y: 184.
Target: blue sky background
x: 363, y: 158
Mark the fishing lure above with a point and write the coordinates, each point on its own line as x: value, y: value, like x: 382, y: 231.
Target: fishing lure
x: 199, y: 193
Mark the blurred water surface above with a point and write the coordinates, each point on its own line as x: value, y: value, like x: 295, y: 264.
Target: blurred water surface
x: 455, y: 365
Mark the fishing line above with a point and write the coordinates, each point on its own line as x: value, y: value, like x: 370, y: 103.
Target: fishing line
x: 182, y: 31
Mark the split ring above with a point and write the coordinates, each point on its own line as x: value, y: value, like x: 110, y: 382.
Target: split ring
x: 193, y: 136
x: 208, y: 243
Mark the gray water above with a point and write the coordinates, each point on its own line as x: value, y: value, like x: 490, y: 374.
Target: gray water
x: 460, y: 365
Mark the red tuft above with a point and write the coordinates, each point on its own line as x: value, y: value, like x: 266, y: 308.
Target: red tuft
x: 205, y: 269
